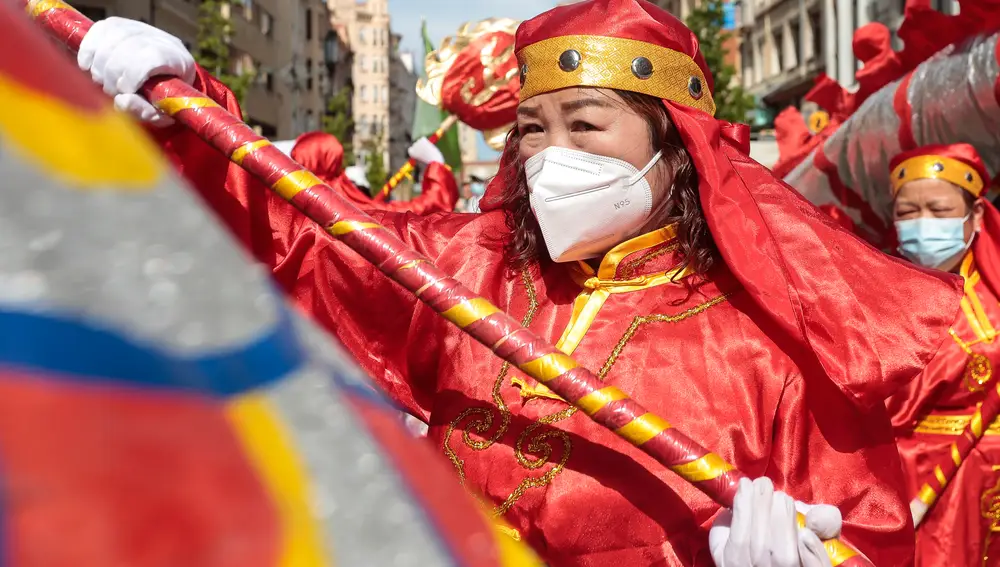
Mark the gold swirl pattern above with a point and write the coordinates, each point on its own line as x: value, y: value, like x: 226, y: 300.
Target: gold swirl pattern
x: 642, y: 426
x: 484, y: 424
x: 989, y: 508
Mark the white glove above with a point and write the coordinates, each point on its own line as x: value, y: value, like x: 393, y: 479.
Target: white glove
x: 425, y: 152
x: 761, y: 531
x: 122, y: 54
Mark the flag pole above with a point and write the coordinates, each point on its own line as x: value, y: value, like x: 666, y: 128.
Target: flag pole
x: 407, y: 169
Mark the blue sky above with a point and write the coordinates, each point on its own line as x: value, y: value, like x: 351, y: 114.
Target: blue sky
x: 445, y: 16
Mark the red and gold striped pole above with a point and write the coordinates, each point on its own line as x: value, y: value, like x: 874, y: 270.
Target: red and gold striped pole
x: 479, y: 318
x: 943, y: 473
x: 408, y: 167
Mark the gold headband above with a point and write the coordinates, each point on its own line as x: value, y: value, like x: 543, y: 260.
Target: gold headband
x: 937, y: 167
x: 613, y: 63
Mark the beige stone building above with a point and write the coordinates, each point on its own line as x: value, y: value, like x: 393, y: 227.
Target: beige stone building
x: 281, y: 41
x: 367, y: 26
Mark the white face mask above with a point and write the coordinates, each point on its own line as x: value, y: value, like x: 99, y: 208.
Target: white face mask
x: 587, y: 204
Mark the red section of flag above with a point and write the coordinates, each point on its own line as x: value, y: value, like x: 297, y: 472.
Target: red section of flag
x: 96, y: 476
x: 26, y: 57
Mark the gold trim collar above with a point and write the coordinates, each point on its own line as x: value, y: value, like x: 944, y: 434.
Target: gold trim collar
x: 608, y: 269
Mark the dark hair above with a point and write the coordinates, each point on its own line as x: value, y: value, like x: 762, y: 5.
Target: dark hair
x: 969, y: 198
x: 695, y: 242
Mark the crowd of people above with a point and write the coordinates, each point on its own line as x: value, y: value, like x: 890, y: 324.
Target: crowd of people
x: 629, y: 227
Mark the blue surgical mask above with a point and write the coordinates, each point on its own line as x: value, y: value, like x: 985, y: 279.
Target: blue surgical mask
x: 931, y: 242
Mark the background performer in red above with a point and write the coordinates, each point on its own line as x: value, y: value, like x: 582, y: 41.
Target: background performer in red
x: 943, y: 222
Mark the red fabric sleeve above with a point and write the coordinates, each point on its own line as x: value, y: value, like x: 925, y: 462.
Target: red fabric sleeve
x: 828, y: 451
x: 365, y: 310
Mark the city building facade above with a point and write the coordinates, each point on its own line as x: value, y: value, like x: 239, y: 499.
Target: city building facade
x: 367, y: 26
x: 787, y: 43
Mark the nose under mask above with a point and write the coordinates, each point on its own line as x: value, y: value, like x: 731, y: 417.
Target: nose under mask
x: 585, y: 203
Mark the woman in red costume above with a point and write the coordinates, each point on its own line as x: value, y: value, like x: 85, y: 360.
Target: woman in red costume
x: 628, y: 225
x: 943, y: 222
x: 323, y: 154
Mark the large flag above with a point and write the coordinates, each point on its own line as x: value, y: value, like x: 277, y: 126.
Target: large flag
x: 428, y: 118
x: 160, y: 404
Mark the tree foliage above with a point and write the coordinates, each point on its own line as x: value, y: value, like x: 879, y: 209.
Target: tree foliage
x: 707, y: 21
x: 376, y: 172
x: 339, y: 122
x: 212, y: 50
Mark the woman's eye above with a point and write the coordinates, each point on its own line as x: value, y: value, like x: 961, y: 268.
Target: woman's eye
x: 529, y: 129
x: 580, y: 126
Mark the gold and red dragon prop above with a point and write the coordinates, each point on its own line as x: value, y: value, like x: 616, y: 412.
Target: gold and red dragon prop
x: 606, y: 405
x: 473, y: 76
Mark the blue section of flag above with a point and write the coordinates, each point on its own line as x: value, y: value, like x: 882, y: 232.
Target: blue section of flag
x: 729, y: 15
x: 76, y: 351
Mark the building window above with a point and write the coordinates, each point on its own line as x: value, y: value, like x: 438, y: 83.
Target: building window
x: 778, y: 60
x: 242, y: 64
x: 266, y: 23
x: 309, y: 24
x: 817, y: 36
x: 248, y: 10
x: 364, y: 63
x: 797, y: 43
x: 364, y: 93
x: 385, y: 94
x: 309, y: 74
x: 363, y: 36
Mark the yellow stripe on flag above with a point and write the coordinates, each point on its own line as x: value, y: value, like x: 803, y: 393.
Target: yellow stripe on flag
x: 274, y: 459
x: 83, y: 148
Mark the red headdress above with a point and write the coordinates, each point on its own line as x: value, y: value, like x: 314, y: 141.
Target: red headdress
x: 321, y: 153
x: 958, y: 163
x: 816, y: 281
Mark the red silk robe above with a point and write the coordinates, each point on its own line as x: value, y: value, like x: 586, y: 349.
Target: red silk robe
x: 573, y: 490
x: 963, y: 527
